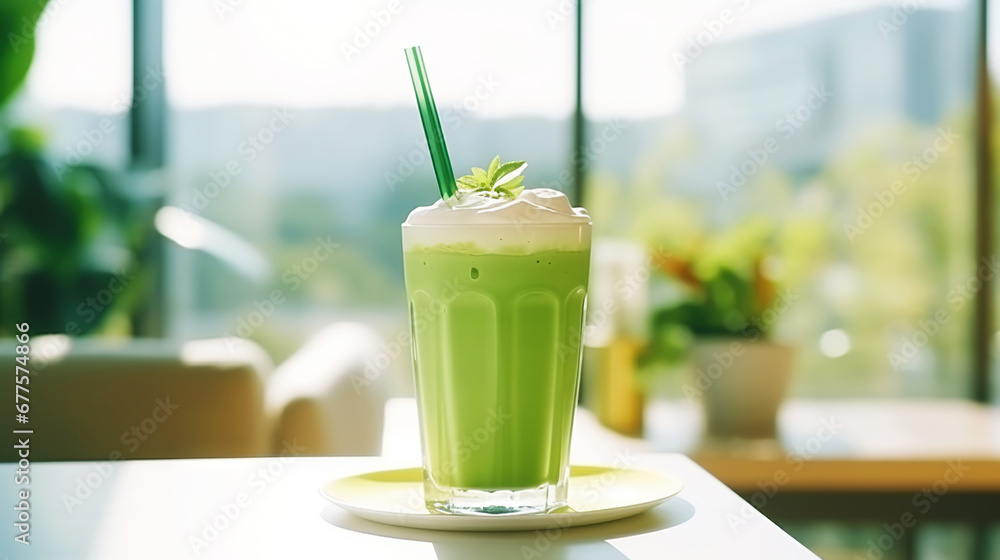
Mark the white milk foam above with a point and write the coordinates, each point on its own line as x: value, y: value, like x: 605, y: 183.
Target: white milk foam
x: 537, y: 220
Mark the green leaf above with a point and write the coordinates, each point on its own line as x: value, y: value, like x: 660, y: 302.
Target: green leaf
x: 480, y: 174
x: 510, y: 167
x: 509, y: 193
x: 513, y: 183
x: 17, y: 26
x: 467, y: 182
x: 491, y: 174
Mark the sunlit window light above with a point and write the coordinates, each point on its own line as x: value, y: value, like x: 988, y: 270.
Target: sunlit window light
x: 834, y: 343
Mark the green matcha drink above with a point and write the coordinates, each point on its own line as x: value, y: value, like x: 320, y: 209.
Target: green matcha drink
x: 497, y: 287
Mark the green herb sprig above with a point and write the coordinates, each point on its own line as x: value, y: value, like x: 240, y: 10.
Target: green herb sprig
x: 499, y: 181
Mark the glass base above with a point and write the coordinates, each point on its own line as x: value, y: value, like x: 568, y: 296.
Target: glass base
x: 542, y: 499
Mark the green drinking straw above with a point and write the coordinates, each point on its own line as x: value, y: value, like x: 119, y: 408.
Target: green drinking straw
x: 432, y: 123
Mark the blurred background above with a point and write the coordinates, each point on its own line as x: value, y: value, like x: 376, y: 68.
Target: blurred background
x: 798, y: 175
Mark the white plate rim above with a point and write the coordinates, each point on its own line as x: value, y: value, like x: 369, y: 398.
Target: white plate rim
x: 444, y: 522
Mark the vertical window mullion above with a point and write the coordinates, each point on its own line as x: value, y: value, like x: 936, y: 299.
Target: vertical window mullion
x: 147, y: 123
x: 983, y: 314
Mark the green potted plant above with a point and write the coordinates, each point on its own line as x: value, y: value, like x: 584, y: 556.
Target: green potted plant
x: 725, y: 304
x: 70, y: 242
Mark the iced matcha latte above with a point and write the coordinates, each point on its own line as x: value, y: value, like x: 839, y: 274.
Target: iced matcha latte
x: 497, y: 283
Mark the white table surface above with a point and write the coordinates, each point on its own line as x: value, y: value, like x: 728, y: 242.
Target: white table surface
x: 153, y: 509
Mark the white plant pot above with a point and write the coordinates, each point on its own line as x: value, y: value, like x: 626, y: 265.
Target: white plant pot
x: 741, y: 384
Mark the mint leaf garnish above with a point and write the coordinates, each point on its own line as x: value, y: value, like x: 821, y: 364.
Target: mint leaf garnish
x: 499, y: 181
x: 493, y: 169
x: 510, y: 167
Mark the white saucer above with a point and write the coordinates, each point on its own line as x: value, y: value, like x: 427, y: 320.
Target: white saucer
x: 596, y: 495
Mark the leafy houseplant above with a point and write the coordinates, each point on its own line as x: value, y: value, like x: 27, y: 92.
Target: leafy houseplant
x: 69, y: 245
x: 721, y: 319
x: 68, y: 241
x: 724, y: 291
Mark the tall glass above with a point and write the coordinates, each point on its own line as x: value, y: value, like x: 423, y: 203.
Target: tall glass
x: 496, y: 339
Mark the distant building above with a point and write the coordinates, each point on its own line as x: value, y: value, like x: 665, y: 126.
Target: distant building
x: 879, y: 64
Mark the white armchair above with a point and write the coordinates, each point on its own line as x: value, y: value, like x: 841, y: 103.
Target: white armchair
x: 145, y: 398
x: 322, y: 398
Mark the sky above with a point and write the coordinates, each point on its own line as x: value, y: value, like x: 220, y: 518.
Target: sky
x: 514, y: 61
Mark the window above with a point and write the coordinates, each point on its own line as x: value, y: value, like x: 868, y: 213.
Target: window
x: 78, y: 90
x: 279, y: 133
x: 848, y: 127
x: 292, y: 127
